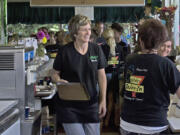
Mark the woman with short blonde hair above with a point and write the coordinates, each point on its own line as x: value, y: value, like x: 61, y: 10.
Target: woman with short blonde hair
x: 82, y: 62
x: 75, y: 23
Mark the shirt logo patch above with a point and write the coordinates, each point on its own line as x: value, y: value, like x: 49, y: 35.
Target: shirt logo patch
x: 114, y: 61
x: 93, y: 58
x: 135, y: 86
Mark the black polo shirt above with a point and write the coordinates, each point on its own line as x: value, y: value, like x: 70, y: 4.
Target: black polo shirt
x: 75, y: 67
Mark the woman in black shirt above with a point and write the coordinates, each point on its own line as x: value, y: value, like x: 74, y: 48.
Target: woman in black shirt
x: 84, y: 62
x: 149, y: 78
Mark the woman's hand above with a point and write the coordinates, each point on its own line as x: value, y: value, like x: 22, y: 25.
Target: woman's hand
x: 102, y: 109
x: 61, y: 81
x: 55, y: 75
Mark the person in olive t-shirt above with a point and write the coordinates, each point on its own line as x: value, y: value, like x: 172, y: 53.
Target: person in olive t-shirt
x: 149, y: 78
x: 84, y: 62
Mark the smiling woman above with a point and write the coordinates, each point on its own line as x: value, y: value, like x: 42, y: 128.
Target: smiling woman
x: 166, y: 48
x: 83, y: 62
x: 80, y: 31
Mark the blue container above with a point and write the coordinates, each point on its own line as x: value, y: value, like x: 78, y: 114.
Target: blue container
x: 31, y: 54
x: 26, y: 57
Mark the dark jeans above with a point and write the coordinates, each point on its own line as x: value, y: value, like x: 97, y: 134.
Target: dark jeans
x: 124, y: 132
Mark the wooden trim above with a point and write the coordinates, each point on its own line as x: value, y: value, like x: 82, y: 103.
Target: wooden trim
x: 87, y: 2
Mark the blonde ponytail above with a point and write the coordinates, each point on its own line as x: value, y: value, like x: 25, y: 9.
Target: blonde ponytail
x: 112, y: 44
x: 108, y: 34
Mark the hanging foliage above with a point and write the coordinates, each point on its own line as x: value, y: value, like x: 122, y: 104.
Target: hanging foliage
x: 167, y: 14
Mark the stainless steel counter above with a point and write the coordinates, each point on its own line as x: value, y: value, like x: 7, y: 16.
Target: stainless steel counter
x: 9, y: 117
x: 6, y: 105
x: 32, y: 125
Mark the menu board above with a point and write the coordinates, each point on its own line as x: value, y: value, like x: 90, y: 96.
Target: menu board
x: 87, y: 2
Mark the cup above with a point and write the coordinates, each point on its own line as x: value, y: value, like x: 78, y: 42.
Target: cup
x: 27, y: 110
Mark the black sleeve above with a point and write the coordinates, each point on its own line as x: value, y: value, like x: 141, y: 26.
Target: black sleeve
x: 174, y: 80
x: 58, y: 61
x: 101, y: 60
x: 106, y: 49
